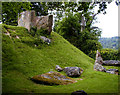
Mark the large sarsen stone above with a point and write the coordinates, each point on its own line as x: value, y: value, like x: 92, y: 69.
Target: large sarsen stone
x: 53, y: 78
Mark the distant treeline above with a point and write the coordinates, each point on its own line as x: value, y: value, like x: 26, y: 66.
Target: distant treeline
x: 112, y: 43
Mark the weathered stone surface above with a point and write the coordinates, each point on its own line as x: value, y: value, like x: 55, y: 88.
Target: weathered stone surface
x: 73, y: 71
x: 80, y: 92
x: 45, y: 39
x: 113, y: 71
x: 53, y: 78
x: 99, y: 67
x: 28, y: 19
x: 58, y: 68
x: 98, y: 58
x: 111, y: 62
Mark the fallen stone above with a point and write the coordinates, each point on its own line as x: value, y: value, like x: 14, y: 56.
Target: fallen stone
x: 73, y: 71
x: 113, y: 71
x: 53, y: 78
x: 45, y: 39
x: 58, y: 68
x: 111, y: 62
x: 99, y: 67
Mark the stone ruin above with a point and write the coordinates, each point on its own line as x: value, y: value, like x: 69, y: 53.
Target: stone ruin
x: 98, y: 65
x: 28, y: 19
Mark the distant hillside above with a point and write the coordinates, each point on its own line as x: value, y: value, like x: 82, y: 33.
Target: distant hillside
x: 24, y: 56
x: 111, y: 43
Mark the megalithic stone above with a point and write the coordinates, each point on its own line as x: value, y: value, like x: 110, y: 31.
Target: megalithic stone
x: 28, y: 19
x: 98, y: 58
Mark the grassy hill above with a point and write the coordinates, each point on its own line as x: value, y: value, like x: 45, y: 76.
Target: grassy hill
x: 24, y: 56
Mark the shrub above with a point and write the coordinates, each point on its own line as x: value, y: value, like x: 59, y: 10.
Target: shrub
x: 107, y: 54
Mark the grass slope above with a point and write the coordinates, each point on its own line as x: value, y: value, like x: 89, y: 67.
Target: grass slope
x: 21, y: 60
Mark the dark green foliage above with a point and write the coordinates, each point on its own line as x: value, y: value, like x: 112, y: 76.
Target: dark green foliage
x: 10, y: 11
x: 40, y: 8
x: 112, y: 42
x: 70, y: 29
x: 107, y: 54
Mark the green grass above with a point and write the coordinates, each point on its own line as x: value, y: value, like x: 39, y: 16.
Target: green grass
x: 21, y: 60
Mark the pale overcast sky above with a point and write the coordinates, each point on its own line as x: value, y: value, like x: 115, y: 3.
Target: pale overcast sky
x: 109, y: 22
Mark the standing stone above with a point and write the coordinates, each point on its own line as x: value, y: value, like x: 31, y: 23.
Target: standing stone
x: 98, y: 58
x: 98, y: 63
x: 28, y: 19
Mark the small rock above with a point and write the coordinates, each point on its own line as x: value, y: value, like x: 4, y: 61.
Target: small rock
x: 80, y: 92
x: 45, y: 39
x: 113, y: 71
x: 73, y: 71
x: 58, y: 68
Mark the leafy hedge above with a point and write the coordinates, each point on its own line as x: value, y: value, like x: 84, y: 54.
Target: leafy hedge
x: 107, y: 54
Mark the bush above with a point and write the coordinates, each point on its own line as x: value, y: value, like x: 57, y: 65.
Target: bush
x: 107, y: 54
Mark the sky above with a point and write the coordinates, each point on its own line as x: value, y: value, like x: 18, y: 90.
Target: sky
x: 108, y: 23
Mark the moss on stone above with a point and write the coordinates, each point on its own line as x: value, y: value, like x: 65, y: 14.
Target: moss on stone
x: 53, y: 78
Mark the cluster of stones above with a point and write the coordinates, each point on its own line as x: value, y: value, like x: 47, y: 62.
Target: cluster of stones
x: 70, y: 71
x: 57, y: 78
x: 98, y: 65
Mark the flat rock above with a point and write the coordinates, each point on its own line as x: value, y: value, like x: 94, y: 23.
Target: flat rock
x: 53, y: 78
x: 113, y: 71
x: 111, y: 62
x: 73, y: 71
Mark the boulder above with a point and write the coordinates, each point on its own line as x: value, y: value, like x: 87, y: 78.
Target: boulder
x: 47, y: 40
x: 113, y: 71
x: 99, y: 67
x: 53, y: 78
x: 58, y: 68
x: 73, y: 71
x: 111, y: 62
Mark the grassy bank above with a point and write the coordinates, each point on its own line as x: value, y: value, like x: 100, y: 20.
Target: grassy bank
x: 24, y: 56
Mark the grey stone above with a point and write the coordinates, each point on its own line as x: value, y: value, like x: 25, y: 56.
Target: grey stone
x: 53, y: 78
x: 45, y: 39
x: 28, y: 19
x: 98, y: 58
x: 58, y: 68
x: 73, y: 71
x: 111, y: 62
x: 113, y: 71
x: 99, y: 67
x: 80, y: 92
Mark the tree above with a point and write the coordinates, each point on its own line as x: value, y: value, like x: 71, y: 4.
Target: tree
x: 10, y: 11
x: 70, y: 28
